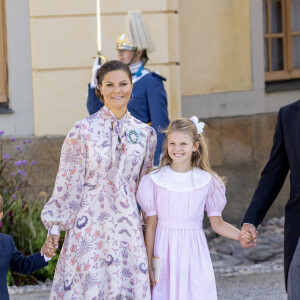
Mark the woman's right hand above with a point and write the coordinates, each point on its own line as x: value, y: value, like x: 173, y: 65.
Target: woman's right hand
x: 50, y: 245
x: 151, y: 275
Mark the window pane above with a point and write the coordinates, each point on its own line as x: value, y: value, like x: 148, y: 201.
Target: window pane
x: 296, y: 52
x: 276, y: 20
x: 295, y: 14
x: 266, y: 55
x: 265, y: 14
x: 277, y: 54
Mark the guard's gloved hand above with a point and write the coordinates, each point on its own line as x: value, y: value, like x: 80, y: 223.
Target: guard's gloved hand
x: 94, y: 70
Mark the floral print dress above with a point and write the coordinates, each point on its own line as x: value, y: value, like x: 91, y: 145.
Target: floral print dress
x: 103, y: 255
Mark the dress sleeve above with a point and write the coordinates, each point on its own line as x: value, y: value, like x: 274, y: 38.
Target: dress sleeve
x: 150, y: 150
x: 146, y: 196
x: 60, y: 211
x: 216, y: 199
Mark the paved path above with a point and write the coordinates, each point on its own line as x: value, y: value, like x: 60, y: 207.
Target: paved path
x: 269, y: 286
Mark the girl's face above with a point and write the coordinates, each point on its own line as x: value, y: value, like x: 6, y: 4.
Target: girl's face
x: 116, y: 90
x: 181, y: 148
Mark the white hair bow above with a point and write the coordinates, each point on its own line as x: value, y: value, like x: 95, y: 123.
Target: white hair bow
x: 199, y: 125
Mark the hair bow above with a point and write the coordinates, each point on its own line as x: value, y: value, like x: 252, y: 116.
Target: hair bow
x: 199, y: 125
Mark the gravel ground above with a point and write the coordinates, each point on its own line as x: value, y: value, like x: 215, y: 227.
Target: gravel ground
x: 267, y: 286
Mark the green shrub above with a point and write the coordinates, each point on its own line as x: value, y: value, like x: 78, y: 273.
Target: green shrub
x: 22, y: 209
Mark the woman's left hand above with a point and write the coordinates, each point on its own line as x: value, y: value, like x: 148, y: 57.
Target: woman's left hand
x: 49, y: 246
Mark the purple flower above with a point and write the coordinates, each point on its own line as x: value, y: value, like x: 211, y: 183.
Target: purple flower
x: 6, y: 156
x: 34, y: 162
x: 13, y: 174
x: 5, y: 192
x: 18, y: 147
x: 1, y: 132
x: 24, y: 142
x: 18, y: 163
x: 14, y: 197
x: 37, y: 169
x: 19, y: 171
x: 25, y: 162
x: 28, y: 141
x: 24, y: 173
x: 0, y: 224
x: 12, y: 139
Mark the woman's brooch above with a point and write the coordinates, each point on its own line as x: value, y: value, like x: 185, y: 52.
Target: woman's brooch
x: 133, y: 135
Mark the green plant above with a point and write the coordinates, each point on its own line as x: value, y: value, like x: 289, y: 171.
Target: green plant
x: 10, y: 279
x: 22, y: 208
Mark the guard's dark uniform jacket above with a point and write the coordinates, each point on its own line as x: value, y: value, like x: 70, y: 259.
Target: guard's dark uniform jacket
x: 149, y: 104
x: 285, y: 157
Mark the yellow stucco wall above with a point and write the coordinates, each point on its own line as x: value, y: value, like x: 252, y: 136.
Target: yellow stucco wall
x: 63, y: 39
x: 215, y: 49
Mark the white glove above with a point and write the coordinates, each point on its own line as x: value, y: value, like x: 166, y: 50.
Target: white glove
x: 94, y: 70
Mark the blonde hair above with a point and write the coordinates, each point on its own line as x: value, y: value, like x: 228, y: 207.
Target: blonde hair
x: 200, y: 158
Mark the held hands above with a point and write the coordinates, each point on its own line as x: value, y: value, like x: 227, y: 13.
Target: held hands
x: 50, y: 245
x: 248, y: 236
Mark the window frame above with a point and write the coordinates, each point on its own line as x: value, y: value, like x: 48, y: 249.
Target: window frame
x: 288, y: 72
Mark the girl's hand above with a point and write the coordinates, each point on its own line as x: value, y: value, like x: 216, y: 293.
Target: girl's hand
x: 247, y: 237
x: 246, y: 240
x: 151, y: 276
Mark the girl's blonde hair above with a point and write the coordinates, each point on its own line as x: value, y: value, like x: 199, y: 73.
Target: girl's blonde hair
x: 200, y: 158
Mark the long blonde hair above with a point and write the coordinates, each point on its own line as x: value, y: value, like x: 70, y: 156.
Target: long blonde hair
x: 200, y: 158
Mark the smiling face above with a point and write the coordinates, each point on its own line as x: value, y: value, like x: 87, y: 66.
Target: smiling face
x: 180, y: 149
x: 116, y: 90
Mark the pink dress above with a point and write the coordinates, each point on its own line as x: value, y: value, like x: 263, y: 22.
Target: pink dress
x: 103, y: 256
x: 179, y: 200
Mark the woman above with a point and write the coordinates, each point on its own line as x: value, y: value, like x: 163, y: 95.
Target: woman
x: 103, y: 156
x: 149, y: 103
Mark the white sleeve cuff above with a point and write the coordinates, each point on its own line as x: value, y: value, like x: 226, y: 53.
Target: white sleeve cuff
x: 54, y: 230
x: 46, y: 258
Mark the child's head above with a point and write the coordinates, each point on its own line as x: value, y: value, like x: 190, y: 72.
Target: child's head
x: 1, y: 207
x: 183, y: 143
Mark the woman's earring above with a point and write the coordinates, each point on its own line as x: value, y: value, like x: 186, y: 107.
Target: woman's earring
x: 131, y: 96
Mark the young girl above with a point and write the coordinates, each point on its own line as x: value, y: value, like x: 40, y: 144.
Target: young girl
x: 174, y: 198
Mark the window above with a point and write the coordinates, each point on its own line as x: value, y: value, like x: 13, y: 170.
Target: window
x: 281, y: 39
x: 3, y: 56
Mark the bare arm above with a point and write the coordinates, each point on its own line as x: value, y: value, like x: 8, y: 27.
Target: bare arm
x: 150, y: 239
x: 227, y: 230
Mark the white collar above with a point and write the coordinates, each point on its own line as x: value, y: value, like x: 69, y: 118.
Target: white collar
x: 180, y: 182
x: 134, y: 67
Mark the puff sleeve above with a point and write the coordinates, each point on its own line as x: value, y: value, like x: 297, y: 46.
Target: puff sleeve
x: 146, y: 196
x: 150, y: 150
x: 216, y: 199
x: 59, y: 213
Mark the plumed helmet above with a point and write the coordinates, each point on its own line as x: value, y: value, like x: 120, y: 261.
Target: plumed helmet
x: 137, y: 35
